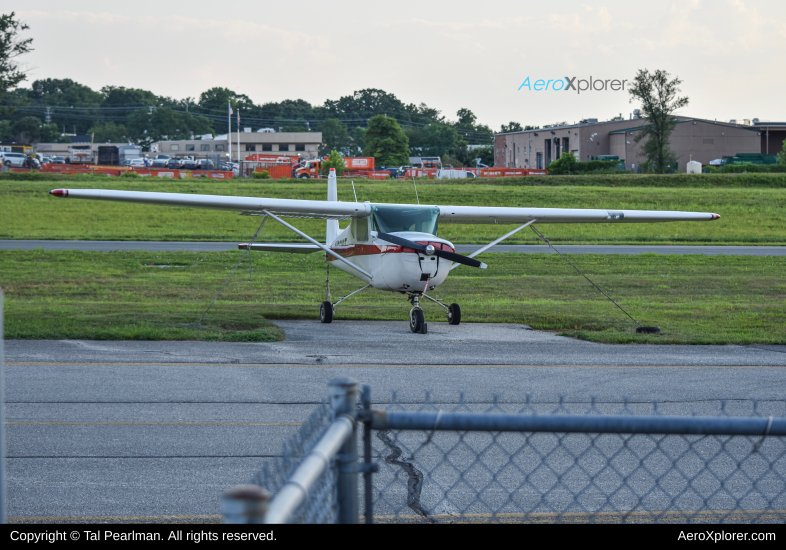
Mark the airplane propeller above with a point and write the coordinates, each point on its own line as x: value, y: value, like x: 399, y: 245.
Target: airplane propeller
x: 430, y: 250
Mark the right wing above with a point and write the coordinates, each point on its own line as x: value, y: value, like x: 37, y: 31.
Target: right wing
x: 252, y: 206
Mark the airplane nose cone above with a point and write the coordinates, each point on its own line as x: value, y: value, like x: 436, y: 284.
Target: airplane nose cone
x: 430, y: 250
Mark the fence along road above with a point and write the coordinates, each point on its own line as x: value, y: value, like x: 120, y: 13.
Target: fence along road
x: 612, y: 462
x: 191, y: 246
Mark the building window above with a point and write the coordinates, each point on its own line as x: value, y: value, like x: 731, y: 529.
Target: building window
x: 300, y: 147
x: 204, y: 147
x: 220, y: 147
x: 190, y: 147
x: 251, y: 147
x: 174, y: 147
x: 283, y: 147
x: 267, y: 146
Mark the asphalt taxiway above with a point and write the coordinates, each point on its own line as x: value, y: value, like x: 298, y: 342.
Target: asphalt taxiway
x: 155, y: 431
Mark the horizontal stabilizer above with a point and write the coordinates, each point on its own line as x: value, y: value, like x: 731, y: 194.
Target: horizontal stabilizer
x: 282, y: 247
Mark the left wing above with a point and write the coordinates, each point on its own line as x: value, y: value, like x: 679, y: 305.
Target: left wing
x: 495, y: 214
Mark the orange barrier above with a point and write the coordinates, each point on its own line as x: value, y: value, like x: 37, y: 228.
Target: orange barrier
x: 379, y: 175
x: 276, y: 172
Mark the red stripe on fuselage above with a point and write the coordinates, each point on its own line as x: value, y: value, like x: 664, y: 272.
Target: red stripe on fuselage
x: 371, y: 249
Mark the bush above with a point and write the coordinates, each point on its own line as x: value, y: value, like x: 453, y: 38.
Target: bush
x: 130, y: 174
x: 747, y: 167
x: 567, y: 165
x: 263, y: 175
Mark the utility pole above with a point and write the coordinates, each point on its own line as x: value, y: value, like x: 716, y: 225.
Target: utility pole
x: 48, y: 115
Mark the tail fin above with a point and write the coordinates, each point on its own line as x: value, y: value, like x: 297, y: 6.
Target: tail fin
x: 332, y: 195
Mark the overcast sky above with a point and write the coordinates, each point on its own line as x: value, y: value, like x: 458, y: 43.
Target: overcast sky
x: 448, y: 54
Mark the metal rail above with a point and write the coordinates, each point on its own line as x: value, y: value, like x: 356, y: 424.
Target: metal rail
x: 297, y: 487
x: 691, y: 425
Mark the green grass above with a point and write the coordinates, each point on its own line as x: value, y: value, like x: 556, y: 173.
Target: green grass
x: 121, y: 295
x: 751, y: 215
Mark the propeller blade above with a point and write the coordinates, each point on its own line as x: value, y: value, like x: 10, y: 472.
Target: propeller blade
x: 458, y: 258
x: 452, y: 256
x: 402, y: 241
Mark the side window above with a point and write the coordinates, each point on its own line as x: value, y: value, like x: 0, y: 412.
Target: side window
x: 361, y: 229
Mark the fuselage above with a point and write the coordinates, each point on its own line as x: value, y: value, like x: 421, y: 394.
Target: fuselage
x: 394, y: 268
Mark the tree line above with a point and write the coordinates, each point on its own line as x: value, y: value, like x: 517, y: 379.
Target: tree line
x: 50, y: 108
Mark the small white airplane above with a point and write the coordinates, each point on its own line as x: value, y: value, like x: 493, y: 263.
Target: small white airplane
x: 391, y: 247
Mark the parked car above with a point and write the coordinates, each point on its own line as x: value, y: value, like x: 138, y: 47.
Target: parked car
x: 163, y: 157
x: 13, y: 159
x: 188, y: 164
x: 57, y: 160
x: 137, y: 163
x: 158, y: 163
x: 205, y: 164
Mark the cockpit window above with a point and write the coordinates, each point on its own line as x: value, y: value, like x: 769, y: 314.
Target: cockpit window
x: 389, y: 219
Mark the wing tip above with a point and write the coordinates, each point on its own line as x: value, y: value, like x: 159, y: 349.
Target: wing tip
x: 715, y: 216
x: 59, y: 192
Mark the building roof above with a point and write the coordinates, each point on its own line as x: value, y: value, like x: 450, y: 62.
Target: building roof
x: 726, y: 124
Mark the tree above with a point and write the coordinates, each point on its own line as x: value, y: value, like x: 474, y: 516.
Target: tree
x: 27, y: 129
x: 334, y: 136
x: 658, y: 96
x: 466, y: 119
x: 386, y: 141
x: 6, y: 133
x: 11, y: 47
x: 105, y: 132
x: 334, y: 161
x: 782, y: 154
x: 439, y: 140
x: 50, y: 133
x: 164, y: 123
x: 511, y: 127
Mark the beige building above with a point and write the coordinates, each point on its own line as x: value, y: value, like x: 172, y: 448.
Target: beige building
x: 696, y: 139
x: 299, y: 144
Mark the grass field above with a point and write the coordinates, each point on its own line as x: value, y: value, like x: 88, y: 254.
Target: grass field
x: 750, y: 215
x: 141, y: 295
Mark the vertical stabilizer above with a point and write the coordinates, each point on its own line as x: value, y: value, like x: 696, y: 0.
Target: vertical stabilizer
x: 332, y: 195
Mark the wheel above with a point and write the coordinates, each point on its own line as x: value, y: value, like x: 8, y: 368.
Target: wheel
x: 454, y: 314
x: 8, y: 163
x: 326, y: 312
x: 416, y: 320
x: 304, y: 176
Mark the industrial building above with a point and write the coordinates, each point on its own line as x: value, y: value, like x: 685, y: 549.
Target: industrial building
x: 302, y: 144
x: 692, y: 139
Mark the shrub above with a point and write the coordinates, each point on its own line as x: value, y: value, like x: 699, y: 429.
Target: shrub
x: 263, y: 175
x: 567, y: 164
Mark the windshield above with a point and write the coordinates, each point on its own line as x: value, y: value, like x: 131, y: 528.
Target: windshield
x: 389, y: 219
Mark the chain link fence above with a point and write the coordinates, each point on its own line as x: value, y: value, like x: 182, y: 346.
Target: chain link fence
x: 565, y: 461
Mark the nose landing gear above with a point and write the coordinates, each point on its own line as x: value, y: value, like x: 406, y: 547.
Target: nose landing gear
x: 417, y: 322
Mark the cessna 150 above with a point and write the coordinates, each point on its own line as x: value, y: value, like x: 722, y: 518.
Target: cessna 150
x: 391, y: 247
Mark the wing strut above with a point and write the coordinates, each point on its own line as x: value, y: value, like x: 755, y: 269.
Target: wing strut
x: 320, y: 245
x: 502, y: 238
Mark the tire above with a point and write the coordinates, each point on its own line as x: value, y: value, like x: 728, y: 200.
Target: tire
x: 416, y: 320
x: 8, y: 163
x: 454, y: 314
x: 304, y: 176
x: 326, y: 312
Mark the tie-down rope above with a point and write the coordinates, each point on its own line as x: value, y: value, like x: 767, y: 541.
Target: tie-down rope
x: 545, y: 240
x: 248, y: 251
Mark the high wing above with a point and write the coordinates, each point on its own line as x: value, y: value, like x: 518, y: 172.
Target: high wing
x: 336, y: 210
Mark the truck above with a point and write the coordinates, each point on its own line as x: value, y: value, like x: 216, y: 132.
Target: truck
x: 80, y: 154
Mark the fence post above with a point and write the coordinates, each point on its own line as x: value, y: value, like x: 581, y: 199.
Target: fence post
x: 365, y: 399
x: 245, y: 504
x: 343, y: 399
